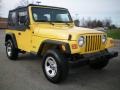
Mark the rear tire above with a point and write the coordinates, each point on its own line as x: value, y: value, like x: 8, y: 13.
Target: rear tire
x: 99, y: 64
x: 11, y: 51
x: 55, y: 66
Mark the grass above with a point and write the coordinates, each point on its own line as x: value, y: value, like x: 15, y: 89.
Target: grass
x: 114, y: 33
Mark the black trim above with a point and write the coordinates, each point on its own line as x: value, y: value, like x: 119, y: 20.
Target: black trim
x: 69, y: 37
x: 71, y: 21
x: 46, y: 6
x: 11, y: 36
x: 92, y: 58
x: 68, y: 51
x: 53, y: 8
x: 18, y: 27
x: 22, y: 7
x: 21, y: 28
x: 38, y: 5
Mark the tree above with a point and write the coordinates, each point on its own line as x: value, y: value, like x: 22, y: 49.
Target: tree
x: 112, y: 27
x: 107, y: 22
x: 83, y: 22
x: 99, y: 23
x: 25, y: 2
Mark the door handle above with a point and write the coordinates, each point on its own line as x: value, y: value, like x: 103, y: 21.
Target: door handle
x: 19, y: 33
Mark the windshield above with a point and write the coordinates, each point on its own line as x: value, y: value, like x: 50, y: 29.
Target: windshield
x: 51, y: 15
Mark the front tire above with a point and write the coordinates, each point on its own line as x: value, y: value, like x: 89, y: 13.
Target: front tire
x: 55, y: 66
x: 100, y: 64
x: 11, y: 51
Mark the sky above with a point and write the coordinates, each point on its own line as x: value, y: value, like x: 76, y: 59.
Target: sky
x: 94, y: 9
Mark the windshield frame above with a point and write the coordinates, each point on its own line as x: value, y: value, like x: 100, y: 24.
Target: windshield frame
x: 69, y: 15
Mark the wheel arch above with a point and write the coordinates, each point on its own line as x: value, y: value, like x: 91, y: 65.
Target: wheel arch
x: 54, y: 44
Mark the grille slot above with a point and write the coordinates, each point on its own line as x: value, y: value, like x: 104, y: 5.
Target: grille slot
x: 93, y: 43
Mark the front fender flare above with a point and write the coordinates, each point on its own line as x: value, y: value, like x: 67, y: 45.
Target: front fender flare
x: 57, y: 43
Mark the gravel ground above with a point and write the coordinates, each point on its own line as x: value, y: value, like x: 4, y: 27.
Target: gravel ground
x: 26, y: 74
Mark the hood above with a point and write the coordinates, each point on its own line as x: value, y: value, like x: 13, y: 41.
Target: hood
x: 63, y: 33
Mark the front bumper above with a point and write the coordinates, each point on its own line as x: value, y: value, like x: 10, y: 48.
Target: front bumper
x: 94, y: 57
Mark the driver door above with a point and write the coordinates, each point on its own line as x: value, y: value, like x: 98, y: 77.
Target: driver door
x: 24, y: 33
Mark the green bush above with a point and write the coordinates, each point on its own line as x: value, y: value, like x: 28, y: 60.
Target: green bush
x: 114, y: 33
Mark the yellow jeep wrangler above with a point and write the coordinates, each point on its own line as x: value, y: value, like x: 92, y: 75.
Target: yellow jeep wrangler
x: 50, y: 32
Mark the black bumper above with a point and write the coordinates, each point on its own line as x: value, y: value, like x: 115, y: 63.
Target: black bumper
x: 107, y: 55
x: 91, y: 58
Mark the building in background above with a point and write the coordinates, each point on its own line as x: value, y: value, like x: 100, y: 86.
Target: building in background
x: 3, y: 23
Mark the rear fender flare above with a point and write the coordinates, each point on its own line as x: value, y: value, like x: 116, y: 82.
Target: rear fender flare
x: 12, y: 37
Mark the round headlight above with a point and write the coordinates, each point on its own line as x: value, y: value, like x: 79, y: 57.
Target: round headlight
x: 104, y: 38
x: 81, y: 41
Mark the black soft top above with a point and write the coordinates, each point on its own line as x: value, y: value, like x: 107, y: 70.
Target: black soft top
x: 23, y: 7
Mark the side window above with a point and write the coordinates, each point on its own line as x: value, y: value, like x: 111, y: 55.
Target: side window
x: 12, y: 19
x: 22, y: 18
x: 18, y: 19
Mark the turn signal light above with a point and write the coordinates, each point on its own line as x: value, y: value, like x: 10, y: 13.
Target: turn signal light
x: 111, y: 41
x: 74, y: 46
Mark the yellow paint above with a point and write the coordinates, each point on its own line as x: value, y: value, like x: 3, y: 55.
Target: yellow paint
x: 109, y: 44
x: 31, y: 39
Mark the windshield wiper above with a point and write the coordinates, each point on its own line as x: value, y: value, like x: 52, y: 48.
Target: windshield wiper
x: 67, y: 23
x: 40, y: 20
x: 52, y: 23
x: 45, y: 21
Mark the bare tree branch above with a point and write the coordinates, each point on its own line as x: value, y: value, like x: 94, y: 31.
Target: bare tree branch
x: 25, y: 2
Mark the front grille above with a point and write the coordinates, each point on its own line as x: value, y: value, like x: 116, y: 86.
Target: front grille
x: 93, y: 43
